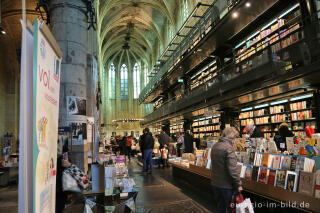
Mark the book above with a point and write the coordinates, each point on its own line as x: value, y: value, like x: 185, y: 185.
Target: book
x: 300, y: 164
x: 276, y: 161
x: 239, y: 168
x: 309, y: 165
x: 258, y: 159
x: 252, y: 157
x: 306, y: 183
x: 263, y: 175
x: 317, y: 186
x: 272, y: 176
x: 290, y: 145
x: 265, y: 161
x: 291, y: 183
x: 285, y: 162
x: 293, y: 163
x: 243, y: 171
x: 248, y: 174
x: 317, y: 163
x: 255, y: 173
x: 281, y: 178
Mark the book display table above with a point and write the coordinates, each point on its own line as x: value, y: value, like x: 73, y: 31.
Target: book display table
x: 201, y: 178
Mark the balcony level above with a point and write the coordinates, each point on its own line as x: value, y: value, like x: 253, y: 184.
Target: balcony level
x: 220, y: 39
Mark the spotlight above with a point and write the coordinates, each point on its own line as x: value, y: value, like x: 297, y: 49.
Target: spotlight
x: 235, y: 14
x: 2, y: 31
x: 248, y: 4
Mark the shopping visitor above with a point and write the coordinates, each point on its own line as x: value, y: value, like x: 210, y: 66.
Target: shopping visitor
x: 253, y: 131
x: 63, y: 162
x: 188, y: 142
x: 164, y: 141
x: 281, y: 135
x: 122, y: 145
x: 225, y: 179
x: 128, y: 146
x: 147, y: 144
x: 180, y: 144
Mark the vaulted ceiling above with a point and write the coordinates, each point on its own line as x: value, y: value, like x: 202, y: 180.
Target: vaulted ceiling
x: 134, y: 28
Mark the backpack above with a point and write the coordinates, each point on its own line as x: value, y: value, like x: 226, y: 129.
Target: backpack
x: 129, y: 142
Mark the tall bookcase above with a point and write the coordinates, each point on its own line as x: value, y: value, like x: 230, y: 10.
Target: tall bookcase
x: 177, y: 127
x: 281, y: 32
x: 298, y: 112
x: 204, y: 75
x: 206, y: 126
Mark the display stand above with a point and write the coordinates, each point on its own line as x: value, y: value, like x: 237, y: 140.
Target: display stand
x: 296, y: 199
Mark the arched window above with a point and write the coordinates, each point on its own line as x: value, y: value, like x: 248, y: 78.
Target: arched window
x: 124, y: 81
x: 136, y: 81
x: 145, y: 72
x: 112, y: 81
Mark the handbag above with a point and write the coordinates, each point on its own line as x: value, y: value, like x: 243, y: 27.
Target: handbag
x: 69, y: 183
x: 78, y: 175
x: 245, y: 206
x: 236, y: 199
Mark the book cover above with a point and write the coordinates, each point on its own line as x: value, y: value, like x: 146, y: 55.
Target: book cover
x: 300, y: 164
x: 286, y: 162
x: 239, y: 167
x: 291, y: 183
x: 317, y: 163
x: 265, y: 161
x: 263, y: 175
x: 255, y: 173
x: 306, y: 183
x: 308, y: 165
x: 281, y: 178
x: 243, y: 171
x: 248, y: 174
x: 251, y: 157
x: 317, y: 187
x: 258, y: 159
x: 276, y: 161
x: 272, y: 177
x: 293, y: 163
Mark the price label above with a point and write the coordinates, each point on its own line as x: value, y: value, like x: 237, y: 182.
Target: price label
x: 282, y: 145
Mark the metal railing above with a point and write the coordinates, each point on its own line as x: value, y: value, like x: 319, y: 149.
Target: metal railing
x: 202, y: 27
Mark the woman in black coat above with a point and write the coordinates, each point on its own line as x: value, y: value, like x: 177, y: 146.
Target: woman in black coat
x: 281, y: 135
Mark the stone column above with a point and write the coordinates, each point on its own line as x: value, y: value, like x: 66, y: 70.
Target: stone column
x: 69, y: 26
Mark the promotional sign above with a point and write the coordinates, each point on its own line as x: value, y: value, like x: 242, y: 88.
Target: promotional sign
x: 46, y: 79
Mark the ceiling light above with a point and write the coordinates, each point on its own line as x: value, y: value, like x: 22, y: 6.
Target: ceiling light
x: 2, y: 31
x: 248, y: 4
x: 235, y: 14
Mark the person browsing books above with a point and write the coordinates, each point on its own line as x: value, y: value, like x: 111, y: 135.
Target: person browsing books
x: 281, y: 135
x: 225, y: 179
x: 253, y: 130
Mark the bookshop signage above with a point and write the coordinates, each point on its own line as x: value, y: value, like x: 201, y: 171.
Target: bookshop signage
x: 46, y: 78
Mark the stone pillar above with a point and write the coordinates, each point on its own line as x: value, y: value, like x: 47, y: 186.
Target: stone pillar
x: 69, y: 26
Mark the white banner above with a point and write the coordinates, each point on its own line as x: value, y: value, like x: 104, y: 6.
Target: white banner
x: 46, y: 70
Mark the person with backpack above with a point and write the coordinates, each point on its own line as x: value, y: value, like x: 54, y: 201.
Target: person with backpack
x: 128, y: 146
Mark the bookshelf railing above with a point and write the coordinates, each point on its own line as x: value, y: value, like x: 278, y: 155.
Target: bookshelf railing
x: 188, y: 38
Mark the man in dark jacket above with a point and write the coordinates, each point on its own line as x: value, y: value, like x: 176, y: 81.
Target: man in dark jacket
x: 188, y: 143
x: 224, y: 174
x: 147, y: 144
x: 164, y: 141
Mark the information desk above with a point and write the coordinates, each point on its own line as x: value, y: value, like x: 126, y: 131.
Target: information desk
x: 295, y: 199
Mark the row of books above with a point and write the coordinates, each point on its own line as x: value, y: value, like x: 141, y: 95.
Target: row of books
x: 288, y: 41
x: 302, y: 115
x: 298, y: 105
x: 304, y: 182
x: 276, y: 109
x: 276, y: 161
x: 278, y: 118
x: 207, y: 128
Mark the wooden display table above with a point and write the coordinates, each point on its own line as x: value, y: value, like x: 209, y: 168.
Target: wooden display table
x: 284, y: 197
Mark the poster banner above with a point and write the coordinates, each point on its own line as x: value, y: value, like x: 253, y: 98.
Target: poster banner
x: 76, y: 106
x: 46, y: 77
